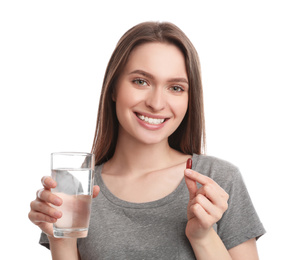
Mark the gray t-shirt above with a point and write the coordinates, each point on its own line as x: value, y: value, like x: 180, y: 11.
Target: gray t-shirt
x: 156, y: 230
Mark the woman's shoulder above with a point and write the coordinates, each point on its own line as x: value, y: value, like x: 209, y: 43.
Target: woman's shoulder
x: 216, y: 168
x: 209, y: 161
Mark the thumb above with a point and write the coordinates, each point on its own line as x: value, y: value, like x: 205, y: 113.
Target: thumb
x: 192, y: 187
x: 96, y: 190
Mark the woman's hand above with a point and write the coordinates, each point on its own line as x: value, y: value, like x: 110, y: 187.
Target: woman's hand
x: 42, y: 213
x: 206, y: 205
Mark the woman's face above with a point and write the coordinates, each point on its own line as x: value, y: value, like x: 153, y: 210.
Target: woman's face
x: 151, y: 93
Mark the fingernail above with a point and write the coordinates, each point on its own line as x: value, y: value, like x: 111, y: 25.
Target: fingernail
x: 188, y: 172
x: 57, y: 201
x: 57, y: 214
x: 53, y: 220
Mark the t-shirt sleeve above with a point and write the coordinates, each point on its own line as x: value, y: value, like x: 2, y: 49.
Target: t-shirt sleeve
x: 240, y: 222
x: 44, y: 240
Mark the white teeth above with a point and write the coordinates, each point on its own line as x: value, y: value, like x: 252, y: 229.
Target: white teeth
x: 153, y: 121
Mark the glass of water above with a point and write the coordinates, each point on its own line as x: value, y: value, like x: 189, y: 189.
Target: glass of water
x: 74, y: 173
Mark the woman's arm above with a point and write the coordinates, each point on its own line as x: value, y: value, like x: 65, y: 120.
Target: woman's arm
x: 64, y: 249
x: 210, y: 248
x: 206, y: 206
x: 44, y: 215
x: 213, y: 248
x: 247, y: 250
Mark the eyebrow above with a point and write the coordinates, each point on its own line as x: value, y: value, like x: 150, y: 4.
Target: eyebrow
x: 150, y: 76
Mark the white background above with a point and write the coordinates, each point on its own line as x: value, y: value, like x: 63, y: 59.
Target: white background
x: 53, y: 55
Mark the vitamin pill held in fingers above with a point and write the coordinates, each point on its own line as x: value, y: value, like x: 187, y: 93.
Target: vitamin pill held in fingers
x: 189, y: 164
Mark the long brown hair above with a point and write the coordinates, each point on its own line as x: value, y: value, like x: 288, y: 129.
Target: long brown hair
x: 189, y: 137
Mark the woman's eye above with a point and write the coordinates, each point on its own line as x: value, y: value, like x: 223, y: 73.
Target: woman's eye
x: 177, y: 89
x: 140, y: 82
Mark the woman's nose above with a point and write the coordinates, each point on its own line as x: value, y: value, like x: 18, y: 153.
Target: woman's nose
x: 156, y: 99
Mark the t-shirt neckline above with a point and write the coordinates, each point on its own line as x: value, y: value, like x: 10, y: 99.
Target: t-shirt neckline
x: 144, y: 205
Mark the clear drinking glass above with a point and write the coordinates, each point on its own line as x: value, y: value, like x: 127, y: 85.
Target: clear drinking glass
x: 74, y: 173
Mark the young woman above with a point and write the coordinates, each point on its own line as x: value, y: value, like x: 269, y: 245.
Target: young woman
x: 148, y: 206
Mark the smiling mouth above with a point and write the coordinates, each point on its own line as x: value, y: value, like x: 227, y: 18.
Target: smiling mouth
x: 152, y: 121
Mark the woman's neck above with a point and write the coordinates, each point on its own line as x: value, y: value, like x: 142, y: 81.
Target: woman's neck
x: 132, y: 157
